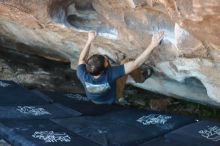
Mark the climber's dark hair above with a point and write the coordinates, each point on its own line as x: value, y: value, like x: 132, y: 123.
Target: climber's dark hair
x: 95, y: 65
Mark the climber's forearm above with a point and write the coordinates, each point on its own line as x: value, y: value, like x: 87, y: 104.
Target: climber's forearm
x: 144, y: 56
x: 85, y: 52
x: 132, y: 65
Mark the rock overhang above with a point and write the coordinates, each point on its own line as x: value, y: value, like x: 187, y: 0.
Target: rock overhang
x: 55, y: 29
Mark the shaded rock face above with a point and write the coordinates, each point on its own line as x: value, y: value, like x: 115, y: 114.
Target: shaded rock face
x: 33, y: 72
x: 186, y: 64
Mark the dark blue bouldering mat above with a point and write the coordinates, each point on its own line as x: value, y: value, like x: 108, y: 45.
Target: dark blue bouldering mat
x: 103, y: 132
x: 203, y: 133
x: 4, y: 143
x: 59, y: 118
x: 128, y: 127
x: 37, y: 112
x: 13, y: 94
x: 161, y: 141
x: 149, y: 119
x: 79, y: 102
x: 39, y: 133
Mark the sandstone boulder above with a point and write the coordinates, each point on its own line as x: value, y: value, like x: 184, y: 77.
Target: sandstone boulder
x: 186, y: 64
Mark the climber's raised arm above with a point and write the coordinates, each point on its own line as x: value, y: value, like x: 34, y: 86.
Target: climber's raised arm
x: 85, y: 52
x: 132, y: 65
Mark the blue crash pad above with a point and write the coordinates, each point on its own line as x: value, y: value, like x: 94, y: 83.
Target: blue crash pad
x: 79, y: 102
x: 37, y: 112
x: 12, y: 94
x: 161, y: 141
x: 41, y: 133
x: 202, y: 133
x: 128, y: 127
x: 59, y: 118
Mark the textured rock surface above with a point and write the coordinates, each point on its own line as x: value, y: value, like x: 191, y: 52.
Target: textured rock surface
x: 37, y: 72
x: 186, y: 64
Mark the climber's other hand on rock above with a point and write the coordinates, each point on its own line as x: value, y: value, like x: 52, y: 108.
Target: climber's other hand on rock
x: 157, y: 37
x: 92, y: 35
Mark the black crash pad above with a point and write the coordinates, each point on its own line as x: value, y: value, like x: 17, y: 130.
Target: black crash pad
x: 13, y: 94
x: 79, y: 102
x: 146, y: 120
x: 41, y: 133
x: 4, y: 143
x: 37, y: 112
x: 161, y: 141
x: 202, y: 133
x: 128, y: 127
